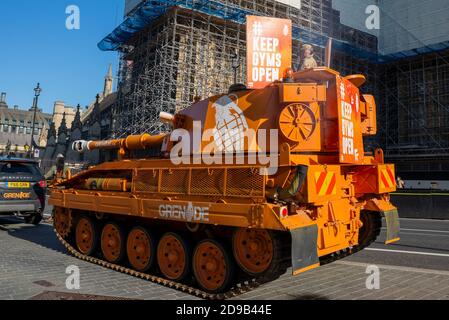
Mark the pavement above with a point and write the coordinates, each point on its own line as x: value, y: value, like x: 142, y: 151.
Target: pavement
x: 32, y: 262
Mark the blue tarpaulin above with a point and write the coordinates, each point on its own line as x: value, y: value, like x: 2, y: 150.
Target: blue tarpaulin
x: 152, y: 9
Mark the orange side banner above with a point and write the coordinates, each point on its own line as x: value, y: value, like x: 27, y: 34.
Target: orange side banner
x: 349, y: 119
x: 269, y: 50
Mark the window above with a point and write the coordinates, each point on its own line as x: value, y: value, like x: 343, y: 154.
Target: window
x: 16, y: 167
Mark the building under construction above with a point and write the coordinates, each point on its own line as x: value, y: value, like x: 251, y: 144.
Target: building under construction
x: 189, y: 49
x: 176, y: 51
x: 414, y: 97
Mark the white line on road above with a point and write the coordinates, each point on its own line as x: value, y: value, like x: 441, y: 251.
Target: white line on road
x: 423, y: 230
x: 427, y: 220
x: 409, y: 252
x: 421, y: 234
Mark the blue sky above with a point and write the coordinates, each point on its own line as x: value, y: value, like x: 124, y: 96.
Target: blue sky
x: 37, y: 47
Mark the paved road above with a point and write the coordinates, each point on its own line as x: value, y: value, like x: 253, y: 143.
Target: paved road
x: 415, y: 268
x: 424, y: 244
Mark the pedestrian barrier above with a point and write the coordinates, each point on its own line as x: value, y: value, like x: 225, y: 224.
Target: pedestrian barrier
x: 422, y: 204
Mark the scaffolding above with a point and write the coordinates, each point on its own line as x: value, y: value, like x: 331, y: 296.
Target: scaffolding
x: 414, y: 105
x: 185, y: 51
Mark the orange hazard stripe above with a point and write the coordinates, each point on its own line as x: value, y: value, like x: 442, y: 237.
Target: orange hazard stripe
x: 326, y: 183
x: 384, y: 180
x: 387, y: 179
x: 320, y: 181
x: 391, y: 175
x: 332, y: 185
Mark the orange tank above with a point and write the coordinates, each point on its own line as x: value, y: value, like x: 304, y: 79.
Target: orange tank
x: 247, y: 185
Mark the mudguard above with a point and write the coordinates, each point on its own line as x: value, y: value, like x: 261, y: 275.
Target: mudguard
x: 304, y: 249
x: 392, y: 219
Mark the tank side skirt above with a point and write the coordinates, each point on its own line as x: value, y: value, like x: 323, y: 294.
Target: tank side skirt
x: 226, y: 214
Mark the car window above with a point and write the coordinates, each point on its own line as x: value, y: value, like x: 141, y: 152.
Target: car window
x: 19, y: 168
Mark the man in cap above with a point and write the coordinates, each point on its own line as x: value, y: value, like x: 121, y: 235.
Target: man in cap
x: 58, y: 171
x: 309, y: 61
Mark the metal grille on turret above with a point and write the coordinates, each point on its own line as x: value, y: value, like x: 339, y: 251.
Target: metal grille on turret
x: 174, y: 181
x: 245, y: 182
x: 208, y: 181
x: 238, y: 182
x: 147, y: 181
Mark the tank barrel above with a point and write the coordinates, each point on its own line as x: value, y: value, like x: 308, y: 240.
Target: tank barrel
x: 143, y: 141
x: 167, y: 118
x: 82, y: 146
x: 135, y: 142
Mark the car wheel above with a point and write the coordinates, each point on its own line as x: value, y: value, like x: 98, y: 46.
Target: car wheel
x: 35, y: 218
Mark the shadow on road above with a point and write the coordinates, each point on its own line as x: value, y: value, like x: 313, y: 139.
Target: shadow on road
x: 399, y: 245
x: 309, y: 297
x: 418, y: 247
x: 42, y: 234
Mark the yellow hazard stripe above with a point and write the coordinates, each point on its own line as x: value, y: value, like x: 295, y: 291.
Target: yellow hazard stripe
x: 325, y: 185
x: 389, y: 178
x: 385, y: 180
x: 328, y: 186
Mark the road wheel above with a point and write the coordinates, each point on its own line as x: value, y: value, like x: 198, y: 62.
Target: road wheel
x: 140, y: 249
x: 62, y: 221
x: 113, y: 242
x: 35, y: 218
x: 253, y: 250
x: 368, y: 233
x: 86, y: 235
x: 213, y: 266
x: 173, y: 256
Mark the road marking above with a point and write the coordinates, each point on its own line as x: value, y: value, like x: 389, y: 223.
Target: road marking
x: 410, y: 252
x: 424, y: 234
x: 424, y: 230
x: 427, y: 220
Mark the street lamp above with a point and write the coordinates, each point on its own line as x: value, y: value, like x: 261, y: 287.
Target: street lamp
x: 37, y: 93
x: 235, y: 65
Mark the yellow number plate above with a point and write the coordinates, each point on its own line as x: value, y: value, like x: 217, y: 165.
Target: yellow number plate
x: 18, y: 185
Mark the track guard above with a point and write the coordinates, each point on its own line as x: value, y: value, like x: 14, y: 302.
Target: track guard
x: 304, y: 249
x: 392, y: 219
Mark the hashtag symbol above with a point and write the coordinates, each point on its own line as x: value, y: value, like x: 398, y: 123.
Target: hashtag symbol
x: 257, y: 28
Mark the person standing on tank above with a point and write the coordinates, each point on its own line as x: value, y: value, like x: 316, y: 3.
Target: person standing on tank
x: 308, y: 56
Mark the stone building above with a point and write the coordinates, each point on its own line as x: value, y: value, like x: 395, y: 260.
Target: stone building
x: 93, y: 124
x: 15, y: 129
x: 60, y: 111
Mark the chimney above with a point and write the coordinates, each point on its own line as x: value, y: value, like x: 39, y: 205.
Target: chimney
x: 3, y: 97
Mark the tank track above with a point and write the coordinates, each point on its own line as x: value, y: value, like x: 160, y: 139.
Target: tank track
x: 240, y: 288
x: 247, y: 284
